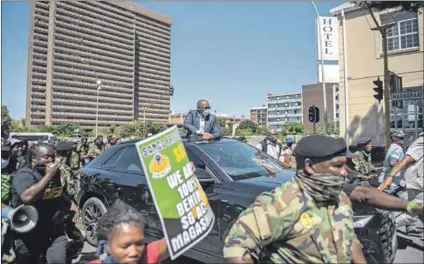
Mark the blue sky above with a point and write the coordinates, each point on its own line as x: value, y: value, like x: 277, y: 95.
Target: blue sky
x: 231, y: 53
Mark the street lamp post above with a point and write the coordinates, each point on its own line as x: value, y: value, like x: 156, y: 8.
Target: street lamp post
x: 99, y: 86
x: 324, y: 94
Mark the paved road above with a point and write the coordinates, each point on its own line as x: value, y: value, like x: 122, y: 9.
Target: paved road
x: 411, y: 250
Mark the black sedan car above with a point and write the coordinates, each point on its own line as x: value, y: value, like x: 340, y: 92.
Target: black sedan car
x: 232, y: 173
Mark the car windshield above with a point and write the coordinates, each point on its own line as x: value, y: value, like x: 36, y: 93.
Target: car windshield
x: 240, y: 160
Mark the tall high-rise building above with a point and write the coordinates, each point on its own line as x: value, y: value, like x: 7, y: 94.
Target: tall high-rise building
x: 284, y: 108
x: 107, y: 54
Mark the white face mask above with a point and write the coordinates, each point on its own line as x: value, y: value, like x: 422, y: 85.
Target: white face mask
x: 4, y: 163
x: 206, y: 112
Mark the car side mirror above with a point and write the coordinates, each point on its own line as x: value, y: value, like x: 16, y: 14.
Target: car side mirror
x: 204, y: 177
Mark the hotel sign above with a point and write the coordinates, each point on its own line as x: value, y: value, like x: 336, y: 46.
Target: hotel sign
x: 328, y: 39
x: 407, y: 95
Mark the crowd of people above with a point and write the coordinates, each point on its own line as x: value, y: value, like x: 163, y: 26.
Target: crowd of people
x: 308, y: 219
x: 45, y: 176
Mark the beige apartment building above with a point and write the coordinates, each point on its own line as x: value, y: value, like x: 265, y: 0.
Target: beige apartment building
x: 361, y: 62
x: 259, y: 114
x: 84, y: 54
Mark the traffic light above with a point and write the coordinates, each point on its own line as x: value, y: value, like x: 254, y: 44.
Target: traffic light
x: 313, y: 114
x: 378, y: 90
x: 396, y: 87
x: 171, y: 90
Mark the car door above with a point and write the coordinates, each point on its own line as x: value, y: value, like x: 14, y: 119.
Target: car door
x: 131, y: 184
x: 211, y: 244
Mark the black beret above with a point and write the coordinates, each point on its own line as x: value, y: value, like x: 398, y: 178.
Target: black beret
x: 64, y: 145
x: 363, y: 141
x: 319, y: 147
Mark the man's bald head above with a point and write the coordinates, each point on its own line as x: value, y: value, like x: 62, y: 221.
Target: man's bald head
x: 202, y: 103
x: 43, y: 154
x: 272, y: 132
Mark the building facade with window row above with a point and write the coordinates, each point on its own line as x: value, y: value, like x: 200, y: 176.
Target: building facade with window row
x: 361, y: 62
x: 73, y: 44
x: 284, y: 108
x: 312, y: 95
x: 259, y: 114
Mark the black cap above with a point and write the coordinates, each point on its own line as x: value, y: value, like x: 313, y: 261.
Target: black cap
x: 363, y: 141
x: 320, y: 147
x: 64, y: 145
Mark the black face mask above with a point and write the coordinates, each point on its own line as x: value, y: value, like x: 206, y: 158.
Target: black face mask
x: 272, y: 138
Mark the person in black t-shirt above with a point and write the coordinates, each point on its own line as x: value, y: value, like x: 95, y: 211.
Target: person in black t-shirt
x: 41, y: 187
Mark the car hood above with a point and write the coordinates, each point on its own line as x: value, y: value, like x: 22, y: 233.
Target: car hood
x: 269, y: 182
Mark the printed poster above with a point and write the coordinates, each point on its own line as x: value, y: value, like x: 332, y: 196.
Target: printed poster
x: 180, y: 201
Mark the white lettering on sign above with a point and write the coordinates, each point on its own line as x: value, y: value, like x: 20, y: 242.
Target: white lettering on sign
x: 328, y: 38
x: 408, y: 95
x: 194, y: 213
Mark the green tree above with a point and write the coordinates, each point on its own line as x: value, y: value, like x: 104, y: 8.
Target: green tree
x: 333, y: 127
x: 263, y: 130
x: 15, y: 126
x: 243, y: 132
x: 157, y: 128
x: 248, y: 124
x: 129, y: 129
x: 293, y: 128
x: 6, y: 120
x: 225, y: 131
x: 222, y: 122
x: 64, y: 130
x: 411, y: 6
x: 110, y: 130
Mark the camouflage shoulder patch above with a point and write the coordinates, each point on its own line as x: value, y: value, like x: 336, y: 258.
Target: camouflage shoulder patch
x: 344, y: 199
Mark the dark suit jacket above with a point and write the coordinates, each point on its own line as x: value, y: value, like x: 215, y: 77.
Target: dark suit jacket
x: 192, y: 124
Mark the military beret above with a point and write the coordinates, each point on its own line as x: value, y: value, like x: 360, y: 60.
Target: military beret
x: 64, y: 145
x: 319, y: 147
x: 363, y: 141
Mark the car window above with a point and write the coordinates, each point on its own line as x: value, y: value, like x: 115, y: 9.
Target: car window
x: 240, y: 160
x: 196, y: 160
x: 129, y: 161
x: 112, y: 160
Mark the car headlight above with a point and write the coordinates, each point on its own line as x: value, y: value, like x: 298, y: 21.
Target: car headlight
x: 361, y: 221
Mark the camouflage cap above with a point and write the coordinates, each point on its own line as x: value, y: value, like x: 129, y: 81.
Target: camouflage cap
x: 363, y: 141
x: 397, y: 133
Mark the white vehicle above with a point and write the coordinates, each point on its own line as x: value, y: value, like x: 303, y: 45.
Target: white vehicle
x: 34, y: 137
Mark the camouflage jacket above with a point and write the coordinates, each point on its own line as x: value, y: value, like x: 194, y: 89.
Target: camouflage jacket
x: 6, y: 188
x: 286, y: 226
x: 67, y: 178
x: 94, y: 149
x: 75, y: 160
x: 82, y: 149
x: 363, y: 166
